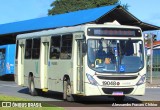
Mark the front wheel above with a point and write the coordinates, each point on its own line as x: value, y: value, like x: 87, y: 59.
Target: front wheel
x: 67, y: 92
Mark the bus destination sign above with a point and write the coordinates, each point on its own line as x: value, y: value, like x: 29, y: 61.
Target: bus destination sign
x: 114, y: 32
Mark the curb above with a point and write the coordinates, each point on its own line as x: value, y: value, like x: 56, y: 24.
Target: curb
x: 152, y: 87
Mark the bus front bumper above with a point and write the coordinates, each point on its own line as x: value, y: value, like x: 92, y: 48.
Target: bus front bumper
x: 91, y: 90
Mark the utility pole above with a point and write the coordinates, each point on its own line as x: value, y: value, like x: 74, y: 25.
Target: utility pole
x: 150, y: 37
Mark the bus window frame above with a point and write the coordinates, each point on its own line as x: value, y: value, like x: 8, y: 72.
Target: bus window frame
x: 26, y: 49
x: 53, y: 55
x: 68, y: 55
x: 35, y: 48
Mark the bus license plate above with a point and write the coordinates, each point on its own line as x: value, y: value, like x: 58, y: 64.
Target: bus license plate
x: 117, y: 93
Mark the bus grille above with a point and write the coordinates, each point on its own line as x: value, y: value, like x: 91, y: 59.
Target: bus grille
x: 111, y: 90
x: 117, y: 78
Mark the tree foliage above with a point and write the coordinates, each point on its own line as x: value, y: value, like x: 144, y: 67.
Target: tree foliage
x: 65, y: 6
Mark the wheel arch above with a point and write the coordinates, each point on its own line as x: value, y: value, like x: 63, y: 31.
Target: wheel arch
x: 30, y: 74
x: 66, y: 77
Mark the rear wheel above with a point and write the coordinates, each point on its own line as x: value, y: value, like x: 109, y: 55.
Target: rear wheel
x: 32, y: 88
x: 67, y: 92
x: 119, y: 98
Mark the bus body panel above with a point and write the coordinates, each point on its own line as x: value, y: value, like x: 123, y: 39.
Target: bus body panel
x: 32, y: 66
x: 20, y: 78
x: 56, y: 71
x: 137, y: 90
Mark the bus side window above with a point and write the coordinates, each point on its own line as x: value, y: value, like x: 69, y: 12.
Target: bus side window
x: 55, y: 47
x: 66, y: 49
x: 28, y: 49
x: 2, y: 54
x: 36, y: 48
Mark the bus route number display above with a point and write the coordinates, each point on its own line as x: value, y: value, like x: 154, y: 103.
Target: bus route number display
x: 114, y: 32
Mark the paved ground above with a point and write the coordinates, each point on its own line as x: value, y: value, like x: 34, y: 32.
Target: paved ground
x: 155, y: 83
x: 89, y: 103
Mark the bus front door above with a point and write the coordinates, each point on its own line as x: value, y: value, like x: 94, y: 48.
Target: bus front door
x: 80, y: 75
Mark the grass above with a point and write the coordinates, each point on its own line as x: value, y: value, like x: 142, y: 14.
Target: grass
x: 11, y: 98
x: 6, y: 98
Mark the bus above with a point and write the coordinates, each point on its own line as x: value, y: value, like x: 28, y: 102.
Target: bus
x: 86, y: 60
x: 7, y: 59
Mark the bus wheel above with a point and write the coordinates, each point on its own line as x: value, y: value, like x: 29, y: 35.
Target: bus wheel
x: 67, y: 92
x: 119, y: 98
x: 32, y: 89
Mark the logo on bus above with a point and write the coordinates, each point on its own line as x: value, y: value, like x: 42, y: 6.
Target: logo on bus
x: 111, y: 83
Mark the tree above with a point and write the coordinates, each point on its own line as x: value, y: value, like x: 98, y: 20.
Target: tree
x: 125, y: 6
x: 65, y: 6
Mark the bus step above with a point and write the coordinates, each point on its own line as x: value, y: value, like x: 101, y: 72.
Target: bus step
x: 45, y: 90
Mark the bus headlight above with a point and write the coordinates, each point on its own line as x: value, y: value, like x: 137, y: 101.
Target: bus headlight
x: 142, y: 80
x: 91, y: 79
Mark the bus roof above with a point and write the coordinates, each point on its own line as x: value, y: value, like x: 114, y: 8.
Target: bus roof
x: 64, y: 30
x: 4, y: 46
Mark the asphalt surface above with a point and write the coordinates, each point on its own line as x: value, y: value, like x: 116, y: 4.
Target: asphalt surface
x: 12, y: 89
x: 53, y: 98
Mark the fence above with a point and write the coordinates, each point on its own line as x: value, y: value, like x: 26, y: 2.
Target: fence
x: 153, y: 77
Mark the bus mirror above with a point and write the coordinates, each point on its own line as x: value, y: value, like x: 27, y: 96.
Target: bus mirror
x: 84, y: 47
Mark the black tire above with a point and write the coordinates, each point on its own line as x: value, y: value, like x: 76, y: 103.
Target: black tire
x: 67, y: 92
x: 119, y: 98
x: 32, y: 89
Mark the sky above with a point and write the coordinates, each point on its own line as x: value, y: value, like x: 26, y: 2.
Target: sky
x: 19, y: 10
x: 145, y: 10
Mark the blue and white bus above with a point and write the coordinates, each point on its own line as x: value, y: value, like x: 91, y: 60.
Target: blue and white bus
x: 7, y: 56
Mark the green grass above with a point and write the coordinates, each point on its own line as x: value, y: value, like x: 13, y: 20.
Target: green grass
x: 4, y: 98
x: 11, y: 98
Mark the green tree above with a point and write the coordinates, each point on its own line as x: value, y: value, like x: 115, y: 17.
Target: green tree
x: 65, y: 6
x: 125, y: 6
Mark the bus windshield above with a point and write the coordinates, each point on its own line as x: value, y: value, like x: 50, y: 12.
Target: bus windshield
x: 115, y: 56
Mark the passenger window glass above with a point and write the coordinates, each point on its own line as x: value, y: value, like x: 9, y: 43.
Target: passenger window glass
x: 2, y: 54
x: 36, y: 48
x: 28, y: 49
x: 55, y: 47
x: 66, y: 49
